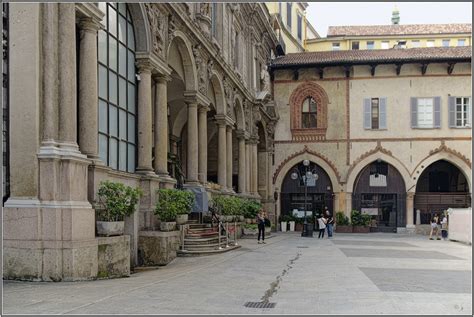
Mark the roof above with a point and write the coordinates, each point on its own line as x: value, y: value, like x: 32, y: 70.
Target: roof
x: 364, y: 57
x: 399, y: 29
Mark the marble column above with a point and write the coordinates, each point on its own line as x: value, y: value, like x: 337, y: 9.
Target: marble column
x: 242, y: 160
x: 88, y: 96
x: 161, y: 125
x: 248, y: 166
x: 229, y: 157
x: 222, y: 154
x: 202, y: 166
x: 409, y: 211
x: 144, y: 117
x: 67, y: 76
x: 192, y: 156
x: 254, y: 168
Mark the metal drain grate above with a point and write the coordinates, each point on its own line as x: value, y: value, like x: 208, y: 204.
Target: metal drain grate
x: 260, y: 305
x: 301, y: 247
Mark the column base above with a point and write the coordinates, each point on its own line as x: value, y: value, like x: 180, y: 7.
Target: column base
x: 145, y: 171
x: 411, y: 229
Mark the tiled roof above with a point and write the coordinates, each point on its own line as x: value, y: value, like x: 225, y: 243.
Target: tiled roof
x: 399, y: 29
x: 374, y: 56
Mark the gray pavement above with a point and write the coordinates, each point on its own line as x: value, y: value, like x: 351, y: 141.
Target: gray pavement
x: 350, y: 274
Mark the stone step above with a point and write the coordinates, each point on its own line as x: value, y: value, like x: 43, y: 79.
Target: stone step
x: 206, y: 252
x: 201, y: 230
x: 204, y: 247
x: 203, y: 240
x: 201, y: 235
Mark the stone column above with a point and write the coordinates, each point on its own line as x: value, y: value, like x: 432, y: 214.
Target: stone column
x: 348, y: 204
x: 67, y: 76
x: 229, y: 157
x: 202, y: 166
x: 222, y: 154
x: 418, y: 217
x: 192, y: 154
x: 410, y: 199
x: 88, y: 96
x: 161, y: 125
x: 242, y: 160
x: 248, y: 166
x: 144, y: 117
x: 254, y: 173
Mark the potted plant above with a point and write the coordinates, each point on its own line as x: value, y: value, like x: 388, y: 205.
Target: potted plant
x: 250, y: 229
x: 360, y: 222
x: 173, y: 206
x: 292, y: 223
x: 116, y: 201
x: 342, y: 223
x: 250, y: 209
x: 284, y: 220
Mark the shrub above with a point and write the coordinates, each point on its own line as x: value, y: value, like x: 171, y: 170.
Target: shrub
x: 342, y: 219
x: 227, y: 205
x: 172, y: 202
x: 287, y: 218
x: 359, y: 219
x: 250, y: 208
x: 250, y: 226
x: 116, y: 201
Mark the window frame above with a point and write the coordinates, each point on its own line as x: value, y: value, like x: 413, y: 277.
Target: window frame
x: 418, y: 126
x: 370, y: 45
x: 418, y: 43
x: 358, y: 45
x: 465, y: 112
x: 309, y: 113
x: 333, y: 46
x: 463, y: 42
x: 288, y: 14
x: 444, y: 41
x: 382, y: 45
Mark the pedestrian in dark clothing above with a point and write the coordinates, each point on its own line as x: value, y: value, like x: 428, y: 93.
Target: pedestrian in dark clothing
x: 330, y: 221
x: 261, y: 226
x: 322, y: 226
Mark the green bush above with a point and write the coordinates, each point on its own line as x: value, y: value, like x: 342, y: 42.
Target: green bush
x: 116, y: 201
x: 250, y: 226
x: 250, y: 208
x: 342, y: 219
x: 227, y: 205
x: 173, y: 202
x: 287, y: 218
x: 359, y: 219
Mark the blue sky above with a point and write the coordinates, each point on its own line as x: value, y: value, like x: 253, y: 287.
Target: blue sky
x: 323, y: 14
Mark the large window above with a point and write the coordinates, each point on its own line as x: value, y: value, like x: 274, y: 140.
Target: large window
x: 300, y: 27
x: 425, y: 112
x: 117, y: 88
x: 375, y: 113
x: 460, y: 112
x: 288, y: 15
x: 370, y: 45
x: 309, y: 114
x: 461, y: 42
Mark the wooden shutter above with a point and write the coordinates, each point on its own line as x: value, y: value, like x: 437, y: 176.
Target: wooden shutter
x: 414, y: 112
x: 367, y: 114
x: 383, y: 113
x: 469, y: 112
x: 437, y: 112
x: 452, y: 111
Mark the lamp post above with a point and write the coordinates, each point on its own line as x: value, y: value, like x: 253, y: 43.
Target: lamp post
x: 296, y: 175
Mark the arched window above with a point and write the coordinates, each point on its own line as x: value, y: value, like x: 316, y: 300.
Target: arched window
x: 117, y: 88
x: 309, y: 114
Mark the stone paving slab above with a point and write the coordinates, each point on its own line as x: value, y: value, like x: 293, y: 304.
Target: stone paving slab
x: 373, y: 243
x: 385, y: 253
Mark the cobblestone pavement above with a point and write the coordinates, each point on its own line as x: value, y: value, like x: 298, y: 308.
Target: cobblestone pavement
x: 350, y: 274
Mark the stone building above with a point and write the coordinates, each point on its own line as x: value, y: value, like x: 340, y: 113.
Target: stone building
x: 388, y: 132
x: 151, y: 95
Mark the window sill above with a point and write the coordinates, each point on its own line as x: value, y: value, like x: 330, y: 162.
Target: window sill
x: 427, y: 128
x: 375, y: 129
x: 462, y: 128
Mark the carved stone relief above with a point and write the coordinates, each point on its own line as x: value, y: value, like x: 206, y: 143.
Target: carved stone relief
x: 201, y: 71
x: 157, y: 26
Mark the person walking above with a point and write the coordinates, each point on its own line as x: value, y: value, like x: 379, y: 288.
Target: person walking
x: 330, y: 222
x: 322, y: 226
x: 444, y: 226
x: 434, y: 227
x: 261, y: 225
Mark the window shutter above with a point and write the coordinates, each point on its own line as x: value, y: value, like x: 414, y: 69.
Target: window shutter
x: 452, y: 111
x: 469, y: 112
x: 367, y: 114
x: 414, y: 112
x: 437, y: 112
x: 383, y: 113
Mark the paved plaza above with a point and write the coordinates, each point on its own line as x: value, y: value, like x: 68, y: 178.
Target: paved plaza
x: 350, y: 274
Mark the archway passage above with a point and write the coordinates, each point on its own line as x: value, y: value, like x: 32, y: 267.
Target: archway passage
x: 441, y: 186
x: 319, y: 192
x: 379, y: 190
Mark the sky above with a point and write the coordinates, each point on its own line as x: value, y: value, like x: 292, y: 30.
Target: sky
x: 323, y: 14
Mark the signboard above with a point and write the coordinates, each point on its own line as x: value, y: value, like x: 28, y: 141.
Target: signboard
x: 300, y: 213
x: 370, y: 211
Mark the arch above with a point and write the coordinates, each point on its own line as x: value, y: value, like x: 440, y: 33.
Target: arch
x: 262, y: 134
x: 216, y: 82
x: 183, y: 45
x: 304, y: 90
x: 239, y: 113
x: 180, y: 121
x: 312, y: 157
x: 141, y: 26
x: 386, y: 157
x: 461, y: 164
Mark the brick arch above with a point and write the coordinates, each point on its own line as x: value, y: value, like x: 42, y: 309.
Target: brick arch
x: 303, y: 91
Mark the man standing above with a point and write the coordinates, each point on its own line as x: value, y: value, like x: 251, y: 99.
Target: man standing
x: 330, y: 221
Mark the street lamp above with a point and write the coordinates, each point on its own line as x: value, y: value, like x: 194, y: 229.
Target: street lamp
x: 308, y: 174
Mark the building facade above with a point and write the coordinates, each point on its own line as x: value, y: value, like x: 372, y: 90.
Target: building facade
x: 368, y: 37
x: 388, y: 132
x: 151, y: 95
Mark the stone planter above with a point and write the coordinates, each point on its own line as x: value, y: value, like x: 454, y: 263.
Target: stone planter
x: 167, y: 226
x: 292, y: 226
x: 181, y: 219
x: 343, y: 229
x: 250, y: 231
x: 283, y: 226
x: 248, y: 221
x: 360, y: 229
x: 157, y: 247
x: 110, y: 228
x: 113, y: 257
x: 267, y: 230
x: 241, y: 218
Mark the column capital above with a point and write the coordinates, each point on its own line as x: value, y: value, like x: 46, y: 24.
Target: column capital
x: 89, y: 24
x: 241, y: 134
x: 224, y: 119
x: 410, y: 195
x: 144, y: 65
x: 230, y: 128
x: 203, y: 108
x: 254, y: 139
x: 161, y: 78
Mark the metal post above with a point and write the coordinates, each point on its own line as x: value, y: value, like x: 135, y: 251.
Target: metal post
x: 226, y: 234
x: 235, y: 233
x: 305, y: 225
x: 219, y: 230
x: 182, y: 236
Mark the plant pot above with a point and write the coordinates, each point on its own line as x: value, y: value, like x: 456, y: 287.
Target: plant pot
x: 268, y: 230
x: 299, y: 227
x: 360, y: 229
x: 248, y: 231
x: 167, y: 226
x: 181, y: 219
x: 110, y: 228
x: 292, y: 226
x: 343, y: 229
x: 283, y: 226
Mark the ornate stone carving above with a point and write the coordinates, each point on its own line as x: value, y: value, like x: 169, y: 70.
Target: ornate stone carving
x: 247, y: 106
x: 446, y: 149
x: 157, y: 25
x: 204, y: 18
x: 205, y: 9
x: 171, y: 28
x: 201, y: 72
x: 265, y: 79
x: 229, y: 95
x: 210, y: 68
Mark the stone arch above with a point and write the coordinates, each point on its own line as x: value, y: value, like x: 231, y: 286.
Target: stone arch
x: 216, y: 82
x: 183, y: 46
x: 180, y: 121
x: 357, y: 167
x: 303, y: 91
x: 141, y: 28
x: 239, y: 112
x: 454, y: 159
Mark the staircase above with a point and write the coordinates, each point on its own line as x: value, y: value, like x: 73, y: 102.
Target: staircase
x: 202, y: 239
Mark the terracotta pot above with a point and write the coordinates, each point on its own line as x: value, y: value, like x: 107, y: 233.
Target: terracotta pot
x: 344, y: 229
x: 181, y: 219
x: 110, y: 228
x: 167, y: 226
